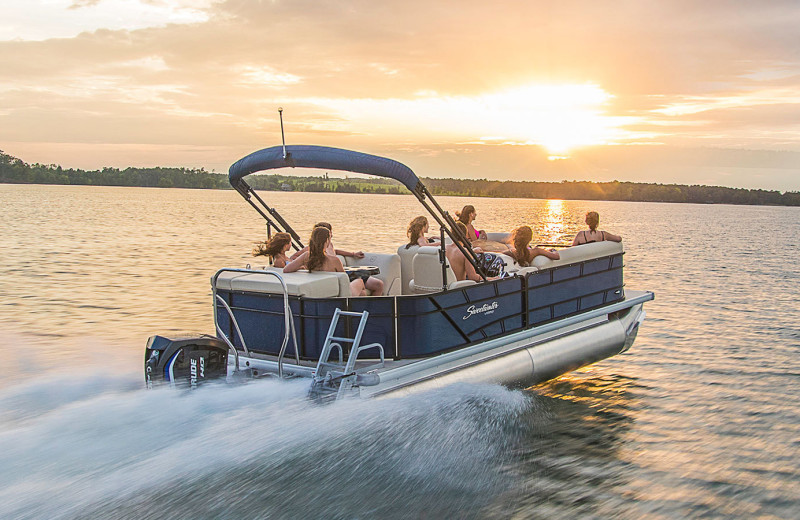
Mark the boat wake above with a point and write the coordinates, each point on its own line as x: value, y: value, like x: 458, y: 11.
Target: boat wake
x: 88, y: 445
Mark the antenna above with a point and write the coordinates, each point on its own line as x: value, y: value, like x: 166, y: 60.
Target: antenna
x: 283, y: 139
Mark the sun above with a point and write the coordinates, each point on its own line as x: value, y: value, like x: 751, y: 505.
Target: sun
x: 559, y: 118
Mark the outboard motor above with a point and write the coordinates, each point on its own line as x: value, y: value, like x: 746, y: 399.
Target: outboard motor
x: 184, y: 361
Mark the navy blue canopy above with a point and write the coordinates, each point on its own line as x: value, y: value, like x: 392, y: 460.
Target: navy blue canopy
x: 324, y: 158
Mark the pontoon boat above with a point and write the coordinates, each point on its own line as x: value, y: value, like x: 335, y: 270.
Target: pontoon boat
x: 426, y: 329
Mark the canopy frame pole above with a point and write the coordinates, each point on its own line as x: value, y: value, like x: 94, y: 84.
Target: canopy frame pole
x: 281, y: 225
x: 443, y: 258
x: 447, y: 223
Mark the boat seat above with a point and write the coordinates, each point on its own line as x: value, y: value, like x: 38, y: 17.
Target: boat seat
x: 499, y: 237
x: 571, y: 255
x: 428, y: 273
x: 511, y: 264
x: 301, y: 283
x: 406, y: 266
x: 390, y: 266
x: 493, y: 236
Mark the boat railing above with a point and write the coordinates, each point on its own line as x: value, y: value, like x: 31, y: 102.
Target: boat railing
x: 288, y: 319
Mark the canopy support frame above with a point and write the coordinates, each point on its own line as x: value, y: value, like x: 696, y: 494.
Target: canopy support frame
x: 319, y: 157
x: 279, y: 223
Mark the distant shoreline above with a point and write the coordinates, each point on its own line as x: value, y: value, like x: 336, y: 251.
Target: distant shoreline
x: 15, y: 171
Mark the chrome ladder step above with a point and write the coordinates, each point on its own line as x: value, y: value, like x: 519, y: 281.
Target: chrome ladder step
x: 340, y: 377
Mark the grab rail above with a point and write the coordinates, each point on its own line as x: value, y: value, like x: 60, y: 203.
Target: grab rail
x: 288, y: 319
x: 225, y: 336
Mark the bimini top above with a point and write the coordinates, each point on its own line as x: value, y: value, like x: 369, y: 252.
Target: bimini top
x: 324, y: 158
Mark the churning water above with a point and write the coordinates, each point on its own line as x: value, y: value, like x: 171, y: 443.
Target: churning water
x: 701, y: 418
x: 103, y: 448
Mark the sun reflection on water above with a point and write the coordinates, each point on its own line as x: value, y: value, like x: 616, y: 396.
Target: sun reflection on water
x: 553, y: 222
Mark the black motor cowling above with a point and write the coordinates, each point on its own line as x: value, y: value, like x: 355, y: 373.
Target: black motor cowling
x: 184, y: 361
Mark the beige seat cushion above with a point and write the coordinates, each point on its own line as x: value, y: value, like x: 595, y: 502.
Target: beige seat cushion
x: 406, y: 266
x: 301, y: 283
x: 499, y: 237
x: 579, y: 253
x: 428, y: 271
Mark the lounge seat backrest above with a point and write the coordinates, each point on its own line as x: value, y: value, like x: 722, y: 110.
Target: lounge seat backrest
x: 301, y: 283
x: 428, y: 271
x: 389, y: 266
x: 494, y: 236
x: 511, y: 264
x: 406, y: 267
x: 579, y: 253
x: 499, y: 237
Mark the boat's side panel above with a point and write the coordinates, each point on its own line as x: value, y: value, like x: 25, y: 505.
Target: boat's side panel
x: 414, y: 326
x: 566, y: 290
x: 260, y: 317
x: 438, y: 322
x: 380, y: 325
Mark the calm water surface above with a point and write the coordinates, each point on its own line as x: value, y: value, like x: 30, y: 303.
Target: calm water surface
x: 701, y: 418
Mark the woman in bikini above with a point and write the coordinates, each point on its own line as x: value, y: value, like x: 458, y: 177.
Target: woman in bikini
x: 416, y: 234
x: 593, y: 235
x: 275, y: 248
x: 316, y: 258
x: 375, y: 285
x: 522, y: 252
x: 466, y: 216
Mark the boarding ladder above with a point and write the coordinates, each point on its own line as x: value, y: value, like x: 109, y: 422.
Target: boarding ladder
x: 339, y: 377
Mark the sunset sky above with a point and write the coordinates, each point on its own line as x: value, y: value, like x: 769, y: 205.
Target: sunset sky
x: 654, y: 91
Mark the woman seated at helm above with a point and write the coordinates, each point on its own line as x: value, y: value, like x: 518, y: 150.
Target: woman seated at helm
x: 275, y: 248
x: 416, y: 233
x: 592, y: 234
x: 522, y: 253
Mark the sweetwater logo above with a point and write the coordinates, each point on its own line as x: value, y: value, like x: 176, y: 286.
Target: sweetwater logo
x: 486, y: 308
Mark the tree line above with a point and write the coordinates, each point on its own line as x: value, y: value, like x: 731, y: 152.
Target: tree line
x: 14, y: 170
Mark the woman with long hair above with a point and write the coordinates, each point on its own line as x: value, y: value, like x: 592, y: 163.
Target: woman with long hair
x: 593, y: 235
x: 316, y: 257
x: 275, y: 248
x: 331, y: 250
x: 416, y: 233
x: 466, y: 216
x: 522, y: 253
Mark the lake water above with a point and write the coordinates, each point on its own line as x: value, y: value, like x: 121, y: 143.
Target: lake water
x: 701, y: 418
